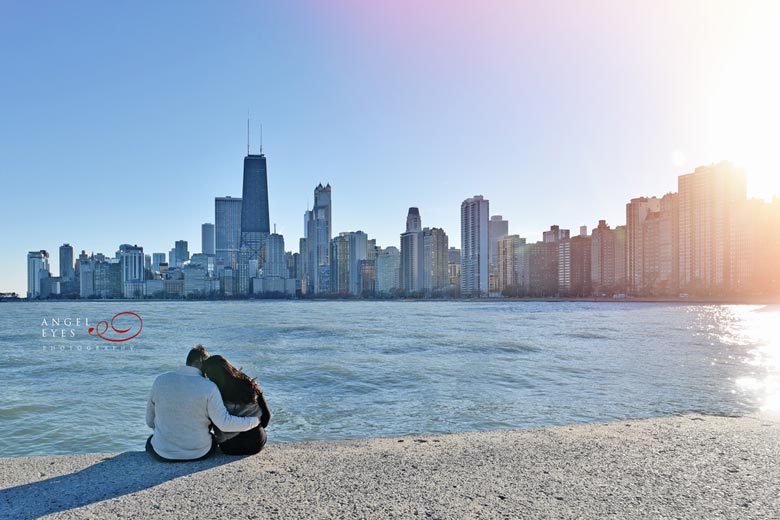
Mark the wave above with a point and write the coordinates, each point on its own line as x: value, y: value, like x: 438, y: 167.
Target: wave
x: 584, y: 335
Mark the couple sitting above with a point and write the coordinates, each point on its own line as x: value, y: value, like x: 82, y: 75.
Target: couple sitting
x: 209, y: 393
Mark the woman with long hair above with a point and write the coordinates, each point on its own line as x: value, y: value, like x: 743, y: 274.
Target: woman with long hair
x: 243, y: 397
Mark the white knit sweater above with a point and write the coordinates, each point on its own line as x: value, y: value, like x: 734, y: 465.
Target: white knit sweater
x: 181, y: 407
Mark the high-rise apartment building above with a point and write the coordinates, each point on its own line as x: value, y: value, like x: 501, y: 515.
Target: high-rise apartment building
x: 539, y: 269
x: 755, y: 248
x: 620, y: 259
x: 656, y: 261
x: 574, y: 266
x: 474, y: 246
x: 509, y: 268
x: 555, y: 234
x: 603, y: 272
x: 435, y: 245
x: 709, y: 199
x: 638, y: 210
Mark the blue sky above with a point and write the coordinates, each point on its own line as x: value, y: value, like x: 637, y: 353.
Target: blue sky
x: 121, y: 122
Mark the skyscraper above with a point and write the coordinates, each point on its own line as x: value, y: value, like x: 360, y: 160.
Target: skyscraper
x: 182, y: 252
x: 555, y: 234
x: 510, y: 255
x: 157, y: 259
x: 131, y: 260
x: 411, y: 273
x: 413, y: 220
x: 255, y: 222
x: 87, y: 278
x: 275, y: 264
x: 474, y: 246
x: 388, y: 262
x: 317, y: 232
x: 540, y: 269
x: 339, y: 264
x: 709, y: 198
x: 67, y: 271
x: 367, y: 270
x: 603, y: 261
x: 755, y: 248
x: 358, y: 251
x: 453, y: 270
x: 207, y: 239
x: 37, y: 268
x: 574, y: 269
x: 498, y: 228
x: 82, y: 256
x: 657, y: 263
x: 638, y: 210
x: 620, y: 259
x: 435, y: 276
x: 227, y: 231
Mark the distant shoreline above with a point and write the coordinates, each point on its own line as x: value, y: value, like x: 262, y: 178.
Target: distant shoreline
x: 697, y: 300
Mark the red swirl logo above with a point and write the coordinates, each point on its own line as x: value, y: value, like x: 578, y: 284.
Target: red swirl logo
x: 118, y: 334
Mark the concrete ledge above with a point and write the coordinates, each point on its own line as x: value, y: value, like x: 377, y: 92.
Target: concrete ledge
x: 682, y: 467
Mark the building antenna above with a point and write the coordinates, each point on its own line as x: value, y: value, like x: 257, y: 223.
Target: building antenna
x: 247, y: 132
x: 261, y: 142
x: 274, y: 228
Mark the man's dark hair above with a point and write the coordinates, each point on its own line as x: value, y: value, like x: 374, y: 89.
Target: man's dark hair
x: 197, y: 356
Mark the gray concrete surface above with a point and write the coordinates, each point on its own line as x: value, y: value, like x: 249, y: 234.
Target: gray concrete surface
x: 681, y: 467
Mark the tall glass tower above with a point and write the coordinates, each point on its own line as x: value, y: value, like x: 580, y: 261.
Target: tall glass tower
x: 317, y: 232
x: 227, y: 225
x: 255, y: 222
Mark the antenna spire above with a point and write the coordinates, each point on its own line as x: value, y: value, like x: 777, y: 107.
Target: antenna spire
x: 247, y: 132
x: 261, y: 142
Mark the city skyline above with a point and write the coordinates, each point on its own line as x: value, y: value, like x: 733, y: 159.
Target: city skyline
x: 478, y: 228
x: 708, y: 239
x: 396, y: 106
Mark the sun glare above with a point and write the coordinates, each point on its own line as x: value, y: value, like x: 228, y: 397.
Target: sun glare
x: 762, y: 328
x: 743, y: 105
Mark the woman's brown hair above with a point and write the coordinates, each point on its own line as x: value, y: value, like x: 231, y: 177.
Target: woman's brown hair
x: 234, y: 385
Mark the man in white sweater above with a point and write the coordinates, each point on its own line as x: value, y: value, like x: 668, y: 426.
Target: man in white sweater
x: 181, y: 408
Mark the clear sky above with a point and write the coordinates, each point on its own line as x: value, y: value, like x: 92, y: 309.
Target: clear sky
x: 120, y: 122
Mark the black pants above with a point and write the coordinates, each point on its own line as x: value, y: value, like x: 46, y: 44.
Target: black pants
x: 245, y: 443
x: 154, y: 454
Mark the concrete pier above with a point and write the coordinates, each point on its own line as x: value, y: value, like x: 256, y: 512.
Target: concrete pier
x: 682, y: 467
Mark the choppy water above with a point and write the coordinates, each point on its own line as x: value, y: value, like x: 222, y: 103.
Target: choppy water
x: 363, y: 369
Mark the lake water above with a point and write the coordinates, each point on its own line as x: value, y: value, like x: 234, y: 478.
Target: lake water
x: 344, y: 369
